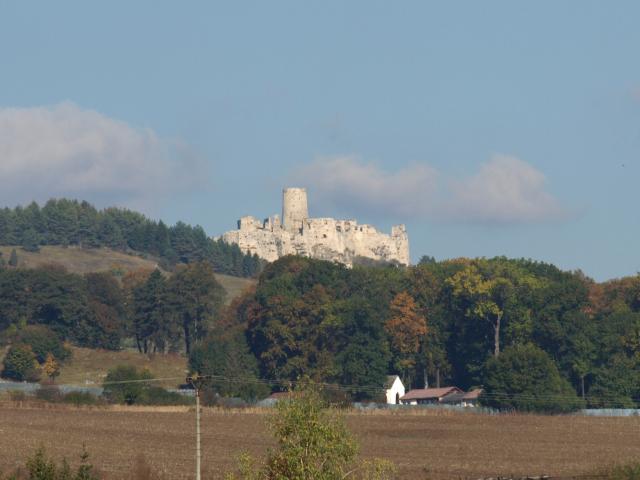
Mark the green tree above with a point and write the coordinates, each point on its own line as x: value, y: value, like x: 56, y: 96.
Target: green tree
x: 13, y: 258
x: 20, y: 364
x: 126, y: 384
x: 525, y: 378
x: 313, y: 443
x: 31, y: 240
x: 150, y: 313
x: 195, y: 298
x: 226, y: 356
x: 43, y: 342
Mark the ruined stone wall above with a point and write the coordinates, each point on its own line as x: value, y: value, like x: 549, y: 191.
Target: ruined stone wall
x: 343, y: 241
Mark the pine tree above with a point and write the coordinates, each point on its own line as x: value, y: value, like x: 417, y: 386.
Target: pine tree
x: 13, y: 259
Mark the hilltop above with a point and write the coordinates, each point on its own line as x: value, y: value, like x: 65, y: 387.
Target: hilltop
x: 88, y: 260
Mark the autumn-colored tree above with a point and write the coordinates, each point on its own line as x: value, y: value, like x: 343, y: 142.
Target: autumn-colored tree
x: 50, y: 367
x: 406, y: 328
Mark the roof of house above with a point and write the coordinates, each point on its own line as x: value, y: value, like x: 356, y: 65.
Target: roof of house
x: 473, y: 394
x: 429, y: 393
x: 389, y: 381
x: 457, y: 397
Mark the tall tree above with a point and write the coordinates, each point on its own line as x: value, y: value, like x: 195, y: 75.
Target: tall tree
x: 407, y: 329
x: 195, y: 298
x: 150, y: 313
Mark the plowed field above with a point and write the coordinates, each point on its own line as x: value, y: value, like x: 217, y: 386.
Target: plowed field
x: 423, y: 445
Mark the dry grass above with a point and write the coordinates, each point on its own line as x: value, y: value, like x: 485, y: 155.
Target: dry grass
x: 88, y: 366
x: 423, y: 446
x: 79, y: 260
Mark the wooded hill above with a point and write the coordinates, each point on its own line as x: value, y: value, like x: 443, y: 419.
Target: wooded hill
x: 533, y: 336
x: 70, y: 222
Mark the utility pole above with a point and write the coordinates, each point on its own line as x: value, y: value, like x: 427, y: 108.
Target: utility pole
x: 197, y: 383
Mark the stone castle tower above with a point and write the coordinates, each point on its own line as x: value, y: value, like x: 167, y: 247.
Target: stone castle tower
x: 343, y: 241
x: 294, y: 208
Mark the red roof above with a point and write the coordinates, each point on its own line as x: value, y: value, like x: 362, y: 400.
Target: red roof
x: 429, y: 393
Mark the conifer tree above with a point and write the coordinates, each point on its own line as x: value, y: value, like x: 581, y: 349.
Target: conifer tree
x: 13, y: 258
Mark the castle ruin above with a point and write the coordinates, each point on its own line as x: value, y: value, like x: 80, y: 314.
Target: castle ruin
x: 342, y: 241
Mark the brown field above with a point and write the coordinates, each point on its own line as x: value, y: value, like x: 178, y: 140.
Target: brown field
x: 423, y: 445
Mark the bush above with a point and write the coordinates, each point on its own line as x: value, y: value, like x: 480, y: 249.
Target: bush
x: 525, y: 378
x: 160, y: 396
x: 40, y: 466
x: 125, y: 384
x: 128, y: 385
x: 81, y: 398
x: 20, y: 364
x: 313, y: 443
x: 49, y: 393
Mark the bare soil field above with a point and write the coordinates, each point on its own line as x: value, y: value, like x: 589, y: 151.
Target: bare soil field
x: 437, y: 445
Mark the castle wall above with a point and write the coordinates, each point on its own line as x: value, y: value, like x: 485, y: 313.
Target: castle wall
x: 343, y: 241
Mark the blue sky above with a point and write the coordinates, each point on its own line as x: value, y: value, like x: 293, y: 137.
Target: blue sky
x: 489, y: 128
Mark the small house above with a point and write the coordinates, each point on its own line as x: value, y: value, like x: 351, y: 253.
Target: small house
x: 463, y: 399
x: 393, y: 389
x: 425, y: 396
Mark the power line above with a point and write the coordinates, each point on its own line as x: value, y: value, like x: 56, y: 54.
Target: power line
x: 605, y: 399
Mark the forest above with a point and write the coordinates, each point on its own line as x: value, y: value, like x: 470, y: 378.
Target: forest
x: 535, y: 337
x: 70, y: 222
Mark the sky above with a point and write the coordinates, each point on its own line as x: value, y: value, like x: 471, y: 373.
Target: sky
x: 488, y: 128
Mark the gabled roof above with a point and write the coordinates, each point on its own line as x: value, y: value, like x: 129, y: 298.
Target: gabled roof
x: 455, y: 397
x: 458, y: 397
x: 429, y: 393
x: 473, y: 394
x: 389, y: 381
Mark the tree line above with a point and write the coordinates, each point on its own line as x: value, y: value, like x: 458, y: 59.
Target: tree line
x: 533, y: 336
x: 512, y: 326
x: 70, y: 222
x: 42, y: 308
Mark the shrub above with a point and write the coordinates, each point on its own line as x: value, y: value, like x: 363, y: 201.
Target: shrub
x: 312, y: 443
x: 40, y: 466
x: 128, y: 385
x: 125, y: 384
x: 159, y: 396
x: 20, y: 364
x: 630, y: 471
x: 49, y: 393
x: 81, y: 398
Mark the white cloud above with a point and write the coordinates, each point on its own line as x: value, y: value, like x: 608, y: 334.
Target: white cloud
x: 65, y: 150
x: 347, y: 183
x: 506, y: 190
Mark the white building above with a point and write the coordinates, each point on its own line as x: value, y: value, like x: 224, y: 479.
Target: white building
x: 394, y: 389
